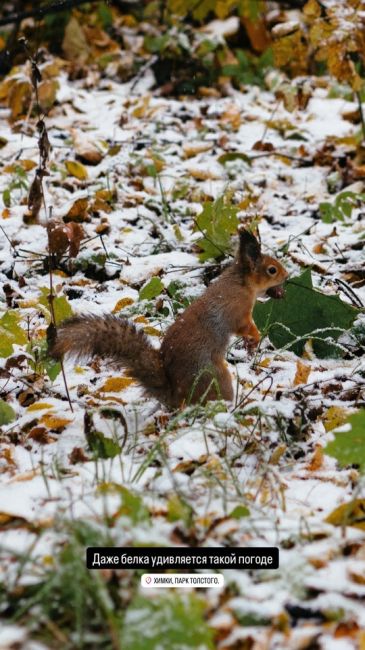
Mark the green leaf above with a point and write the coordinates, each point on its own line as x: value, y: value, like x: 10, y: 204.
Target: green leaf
x: 348, y: 447
x: 234, y: 155
x: 218, y: 221
x: 152, y: 289
x: 132, y: 505
x: 178, y: 509
x: 239, y: 511
x: 7, y: 414
x: 102, y: 446
x: 52, y: 368
x: 105, y: 15
x: 7, y: 198
x: 10, y: 333
x: 61, y: 307
x: 300, y: 314
x: 168, y: 622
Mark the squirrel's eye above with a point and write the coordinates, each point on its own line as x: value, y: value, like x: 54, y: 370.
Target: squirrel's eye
x: 272, y: 270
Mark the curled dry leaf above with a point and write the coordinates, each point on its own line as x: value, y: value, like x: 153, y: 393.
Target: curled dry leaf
x: 63, y: 236
x: 43, y: 142
x: 35, y: 196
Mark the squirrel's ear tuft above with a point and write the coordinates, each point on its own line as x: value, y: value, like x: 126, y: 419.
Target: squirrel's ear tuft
x: 249, y: 250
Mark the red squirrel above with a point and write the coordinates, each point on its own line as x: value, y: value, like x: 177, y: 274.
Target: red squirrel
x: 190, y: 365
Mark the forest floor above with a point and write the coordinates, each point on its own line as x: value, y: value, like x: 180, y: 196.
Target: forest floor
x: 253, y: 473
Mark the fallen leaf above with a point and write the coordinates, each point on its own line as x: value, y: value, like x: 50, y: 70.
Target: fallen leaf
x: 19, y: 100
x: 316, y: 461
x: 191, y: 149
x: 334, y: 417
x: 47, y: 91
x: 40, y: 406
x: 41, y: 435
x: 86, y: 149
x: 349, y: 514
x: 116, y: 384
x: 123, y: 302
x: 78, y: 211
x: 76, y: 169
x: 75, y: 45
x: 54, y: 422
x: 302, y: 373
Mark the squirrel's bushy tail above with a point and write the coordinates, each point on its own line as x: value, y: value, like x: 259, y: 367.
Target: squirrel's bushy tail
x: 117, y: 339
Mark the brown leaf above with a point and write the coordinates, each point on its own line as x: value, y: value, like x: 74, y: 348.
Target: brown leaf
x: 58, y: 241
x: 260, y: 145
x: 43, y: 142
x: 78, y: 211
x: 35, y: 196
x: 41, y: 435
x: 77, y: 455
x: 257, y: 33
x: 75, y: 234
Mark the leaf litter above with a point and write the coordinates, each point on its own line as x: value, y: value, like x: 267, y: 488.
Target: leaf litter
x: 259, y: 472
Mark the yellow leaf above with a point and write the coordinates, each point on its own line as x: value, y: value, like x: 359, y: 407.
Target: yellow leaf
x: 116, y: 384
x: 53, y: 422
x: 47, y: 91
x: 362, y: 640
x: 25, y: 164
x: 224, y: 7
x: 5, y: 213
x: 264, y: 363
x: 141, y: 109
x: 140, y: 319
x: 349, y: 514
x: 291, y: 50
x: 76, y: 169
x: 204, y: 174
x: 19, y: 99
x: 277, y: 454
x: 191, y: 149
x: 123, y: 302
x: 312, y: 9
x: 26, y: 304
x: 74, y: 43
x: 152, y: 331
x: 39, y: 406
x: 302, y: 373
x: 334, y: 417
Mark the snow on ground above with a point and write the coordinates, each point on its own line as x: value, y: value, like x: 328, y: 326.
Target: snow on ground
x: 212, y: 462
